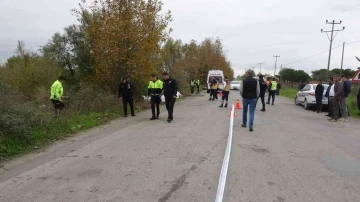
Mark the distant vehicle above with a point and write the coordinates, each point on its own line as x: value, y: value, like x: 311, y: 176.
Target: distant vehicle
x: 306, y: 96
x: 235, y: 85
x: 219, y: 76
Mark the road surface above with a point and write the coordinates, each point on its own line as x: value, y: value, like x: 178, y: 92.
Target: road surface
x: 292, y: 155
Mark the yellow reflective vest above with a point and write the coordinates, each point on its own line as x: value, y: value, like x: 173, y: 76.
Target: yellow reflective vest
x: 273, y: 85
x: 56, y: 91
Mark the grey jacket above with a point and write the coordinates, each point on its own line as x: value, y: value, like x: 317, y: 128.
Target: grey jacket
x: 339, y: 91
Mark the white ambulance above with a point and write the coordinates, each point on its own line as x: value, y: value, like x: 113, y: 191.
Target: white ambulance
x: 219, y: 76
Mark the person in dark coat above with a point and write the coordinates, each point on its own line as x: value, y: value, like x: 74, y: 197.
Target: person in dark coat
x: 263, y: 87
x: 319, y: 91
x: 358, y: 98
x: 169, y: 91
x: 327, y: 95
x: 301, y: 85
x: 126, y: 94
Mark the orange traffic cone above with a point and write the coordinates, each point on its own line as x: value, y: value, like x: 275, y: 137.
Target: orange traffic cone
x: 233, y: 116
x: 238, y: 105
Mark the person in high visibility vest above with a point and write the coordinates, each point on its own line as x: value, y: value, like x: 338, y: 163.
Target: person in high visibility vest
x: 56, y: 95
x: 273, y: 87
x: 225, y: 93
x: 197, y: 84
x: 192, y: 85
x: 154, y: 90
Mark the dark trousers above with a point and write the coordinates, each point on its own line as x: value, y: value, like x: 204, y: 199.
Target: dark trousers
x: 213, y: 94
x: 155, y: 100
x: 170, y: 103
x: 192, y: 89
x: 225, y: 97
x: 331, y: 110
x: 336, y: 108
x: 198, y: 89
x: 262, y: 97
x: 58, y: 105
x: 319, y: 103
x: 272, y: 95
x: 130, y: 101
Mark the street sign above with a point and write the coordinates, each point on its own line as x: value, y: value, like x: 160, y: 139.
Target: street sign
x: 356, y: 77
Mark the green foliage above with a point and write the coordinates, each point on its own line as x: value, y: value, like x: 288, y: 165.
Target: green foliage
x: 291, y: 75
x: 322, y: 73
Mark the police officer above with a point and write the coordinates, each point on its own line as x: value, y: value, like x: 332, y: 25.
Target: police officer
x: 263, y: 87
x: 170, y: 90
x: 197, y: 84
x: 273, y: 87
x: 56, y: 95
x: 126, y: 93
x: 192, y: 85
x: 225, y: 93
x: 154, y: 90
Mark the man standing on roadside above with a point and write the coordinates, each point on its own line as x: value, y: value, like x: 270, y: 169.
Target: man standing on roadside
x: 126, y: 94
x: 273, y: 87
x: 319, y: 91
x: 327, y: 94
x: 197, y: 84
x: 154, y: 90
x: 358, y: 98
x: 56, y: 95
x: 192, y: 86
x: 170, y: 90
x: 344, y: 104
x: 250, y: 91
x: 213, y: 89
x: 338, y: 98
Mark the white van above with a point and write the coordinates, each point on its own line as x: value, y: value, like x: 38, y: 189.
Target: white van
x: 219, y: 76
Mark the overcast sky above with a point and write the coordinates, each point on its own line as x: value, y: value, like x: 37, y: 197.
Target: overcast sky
x: 252, y: 31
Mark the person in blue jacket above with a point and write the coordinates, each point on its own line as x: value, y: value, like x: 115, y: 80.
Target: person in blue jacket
x: 344, y: 105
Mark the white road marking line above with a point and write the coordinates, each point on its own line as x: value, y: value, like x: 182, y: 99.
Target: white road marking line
x: 224, y: 169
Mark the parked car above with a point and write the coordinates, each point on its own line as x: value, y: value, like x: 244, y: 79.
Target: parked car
x: 306, y: 96
x: 235, y: 85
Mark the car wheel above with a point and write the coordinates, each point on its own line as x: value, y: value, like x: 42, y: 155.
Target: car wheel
x: 297, y: 101
x: 306, y: 105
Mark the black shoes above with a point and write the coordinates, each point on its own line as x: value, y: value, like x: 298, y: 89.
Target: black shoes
x: 243, y: 125
x: 251, y: 129
x: 262, y: 110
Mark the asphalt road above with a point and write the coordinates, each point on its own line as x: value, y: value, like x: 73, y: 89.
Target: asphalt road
x: 292, y: 155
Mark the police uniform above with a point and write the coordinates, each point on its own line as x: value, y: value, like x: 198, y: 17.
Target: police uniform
x: 192, y: 86
x: 154, y: 90
x: 170, y: 90
x: 197, y: 84
x: 273, y: 87
x: 126, y: 92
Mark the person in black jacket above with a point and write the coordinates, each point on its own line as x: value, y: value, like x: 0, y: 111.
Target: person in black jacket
x: 126, y: 94
x: 330, y: 114
x: 344, y: 105
x: 358, y: 98
x: 263, y: 88
x: 169, y: 91
x: 319, y: 91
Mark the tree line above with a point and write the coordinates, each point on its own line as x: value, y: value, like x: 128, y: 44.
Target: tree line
x: 292, y: 75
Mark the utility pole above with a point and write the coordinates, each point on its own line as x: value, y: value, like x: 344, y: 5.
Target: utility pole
x: 276, y: 56
x: 342, y: 59
x: 331, y: 39
x: 260, y: 67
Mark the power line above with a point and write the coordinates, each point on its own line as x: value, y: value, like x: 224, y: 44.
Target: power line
x: 320, y: 53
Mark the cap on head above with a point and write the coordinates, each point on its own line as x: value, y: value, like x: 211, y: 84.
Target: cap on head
x: 165, y: 74
x: 261, y: 76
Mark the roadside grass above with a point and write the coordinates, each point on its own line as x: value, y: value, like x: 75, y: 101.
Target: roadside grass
x: 352, y: 102
x: 55, y: 130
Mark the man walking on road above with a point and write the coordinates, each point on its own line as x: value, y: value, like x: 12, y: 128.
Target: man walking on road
x: 344, y: 104
x: 263, y: 88
x: 338, y: 98
x: 319, y: 91
x: 273, y: 87
x: 170, y: 90
x: 154, y: 90
x: 56, y: 95
x: 225, y: 93
x: 250, y: 91
x: 126, y: 94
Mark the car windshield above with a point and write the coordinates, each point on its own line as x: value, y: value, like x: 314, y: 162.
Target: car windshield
x: 235, y: 82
